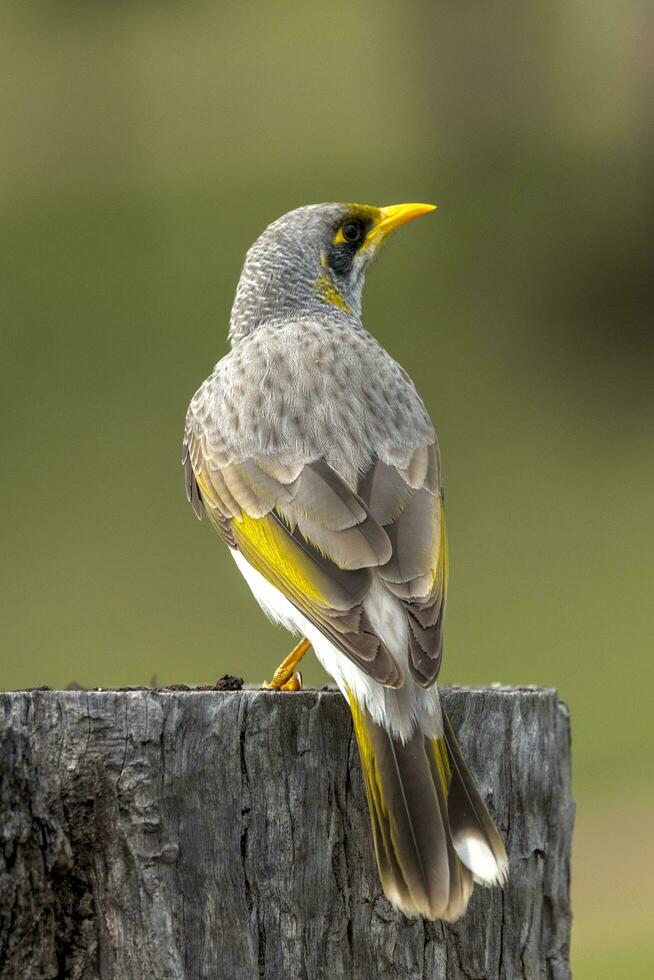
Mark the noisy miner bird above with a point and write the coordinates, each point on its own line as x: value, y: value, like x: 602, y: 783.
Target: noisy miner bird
x: 314, y: 457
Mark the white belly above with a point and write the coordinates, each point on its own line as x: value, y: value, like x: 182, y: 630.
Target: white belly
x: 400, y: 711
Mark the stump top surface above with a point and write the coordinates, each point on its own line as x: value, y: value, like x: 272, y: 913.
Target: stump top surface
x: 312, y: 693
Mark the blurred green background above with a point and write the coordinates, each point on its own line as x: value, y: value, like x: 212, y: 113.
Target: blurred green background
x: 144, y: 146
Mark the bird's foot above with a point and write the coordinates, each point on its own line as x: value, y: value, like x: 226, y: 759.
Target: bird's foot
x: 285, y: 677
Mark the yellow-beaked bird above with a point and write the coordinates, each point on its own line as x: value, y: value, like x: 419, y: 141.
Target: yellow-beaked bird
x: 316, y: 460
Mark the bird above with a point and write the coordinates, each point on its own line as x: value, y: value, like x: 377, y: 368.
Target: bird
x: 314, y: 457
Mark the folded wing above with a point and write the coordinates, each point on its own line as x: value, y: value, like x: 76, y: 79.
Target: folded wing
x: 307, y: 533
x: 405, y: 497
x: 320, y: 543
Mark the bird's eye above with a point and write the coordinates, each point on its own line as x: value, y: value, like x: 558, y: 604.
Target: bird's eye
x: 351, y: 231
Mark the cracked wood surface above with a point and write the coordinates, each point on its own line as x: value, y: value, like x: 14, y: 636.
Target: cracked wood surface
x: 155, y: 834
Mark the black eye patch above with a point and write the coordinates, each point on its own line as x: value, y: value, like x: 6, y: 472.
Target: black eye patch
x: 350, y: 237
x: 341, y: 257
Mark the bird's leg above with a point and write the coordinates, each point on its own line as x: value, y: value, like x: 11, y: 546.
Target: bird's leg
x: 284, y: 678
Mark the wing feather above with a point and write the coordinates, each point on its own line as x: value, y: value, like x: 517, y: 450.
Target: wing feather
x: 307, y: 533
x: 406, y: 498
x: 320, y: 543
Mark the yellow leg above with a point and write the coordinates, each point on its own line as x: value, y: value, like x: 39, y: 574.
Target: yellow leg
x: 284, y: 678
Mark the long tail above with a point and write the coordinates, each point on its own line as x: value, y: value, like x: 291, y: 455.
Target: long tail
x: 432, y: 833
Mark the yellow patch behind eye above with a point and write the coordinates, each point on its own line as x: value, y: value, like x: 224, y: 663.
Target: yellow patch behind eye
x: 328, y: 292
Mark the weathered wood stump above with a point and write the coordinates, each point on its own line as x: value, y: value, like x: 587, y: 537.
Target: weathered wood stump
x: 164, y: 834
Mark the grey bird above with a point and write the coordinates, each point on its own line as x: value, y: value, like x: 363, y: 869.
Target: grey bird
x: 314, y: 457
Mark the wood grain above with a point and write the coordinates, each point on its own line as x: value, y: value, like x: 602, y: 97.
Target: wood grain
x: 208, y: 834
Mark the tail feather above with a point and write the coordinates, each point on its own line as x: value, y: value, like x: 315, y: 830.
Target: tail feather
x: 474, y: 834
x: 416, y: 840
x: 427, y: 817
x: 460, y: 876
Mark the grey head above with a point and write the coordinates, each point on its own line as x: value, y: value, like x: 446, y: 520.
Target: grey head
x: 312, y: 262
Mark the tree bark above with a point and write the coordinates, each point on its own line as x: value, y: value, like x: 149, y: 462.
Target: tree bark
x: 153, y: 834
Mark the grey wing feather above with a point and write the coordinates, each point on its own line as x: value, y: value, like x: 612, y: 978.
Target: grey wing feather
x: 333, y: 531
x: 406, y: 499
x: 193, y: 494
x: 296, y: 451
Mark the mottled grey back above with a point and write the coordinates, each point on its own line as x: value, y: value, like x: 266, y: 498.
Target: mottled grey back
x: 322, y: 389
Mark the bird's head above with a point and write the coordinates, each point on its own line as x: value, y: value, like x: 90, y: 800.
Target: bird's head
x: 313, y: 260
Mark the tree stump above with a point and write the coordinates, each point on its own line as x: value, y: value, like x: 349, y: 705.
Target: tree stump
x: 151, y: 834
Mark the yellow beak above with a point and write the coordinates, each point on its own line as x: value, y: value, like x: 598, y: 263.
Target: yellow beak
x: 393, y: 216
